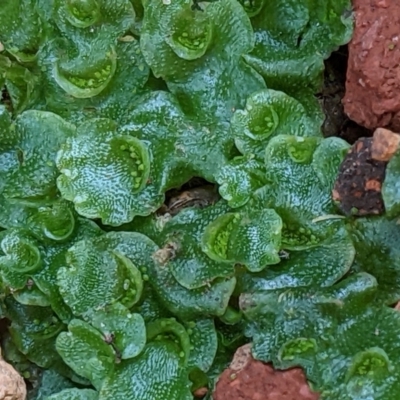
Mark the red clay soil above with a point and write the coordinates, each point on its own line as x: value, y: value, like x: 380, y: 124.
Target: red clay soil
x: 372, y: 96
x: 248, y: 379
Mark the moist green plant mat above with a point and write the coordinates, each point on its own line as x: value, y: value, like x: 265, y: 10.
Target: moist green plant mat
x: 109, y: 104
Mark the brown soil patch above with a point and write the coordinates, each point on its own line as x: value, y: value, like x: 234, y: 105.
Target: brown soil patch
x: 248, y: 379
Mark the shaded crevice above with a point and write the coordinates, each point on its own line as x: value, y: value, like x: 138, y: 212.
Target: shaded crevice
x: 197, y: 192
x: 5, y: 99
x: 336, y: 121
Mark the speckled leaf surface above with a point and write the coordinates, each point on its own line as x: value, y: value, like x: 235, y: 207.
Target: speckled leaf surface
x: 239, y: 178
x: 21, y: 84
x: 84, y: 349
x: 21, y: 252
x: 185, y: 46
x: 84, y: 57
x: 159, y: 148
x: 269, y: 113
x: 75, y: 394
x: 252, y: 239
x: 54, y: 259
x: 150, y: 307
x: 13, y: 214
x: 321, y: 264
x: 105, y: 172
x: 189, y: 265
x: 293, y: 185
x: 107, y: 18
x: 139, y: 251
x: 369, y: 351
x: 157, y: 374
x: 327, y: 159
x: 49, y: 383
x: 205, y: 301
x: 55, y: 221
x: 292, y: 38
x: 39, y: 261
x: 391, y: 188
x: 133, y: 250
x: 33, y: 331
x: 19, y: 256
x: 112, y: 272
x: 31, y: 296
x: 209, y: 300
x: 296, y: 179
x: 20, y: 30
x: 104, y: 275
x: 39, y: 322
x: 371, y: 364
x: 375, y: 240
x: 41, y: 351
x: 204, y: 343
x: 316, y: 326
x: 316, y: 249
x: 300, y: 196
x: 185, y: 147
x: 169, y: 330
x: 115, y: 101
x: 125, y: 330
x: 27, y: 153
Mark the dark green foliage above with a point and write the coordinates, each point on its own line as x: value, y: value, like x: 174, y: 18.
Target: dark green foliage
x: 114, y: 102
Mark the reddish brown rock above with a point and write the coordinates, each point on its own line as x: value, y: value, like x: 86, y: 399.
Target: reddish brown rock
x: 12, y: 386
x: 384, y: 144
x: 372, y: 96
x: 248, y: 379
x: 200, y: 393
x: 357, y: 190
